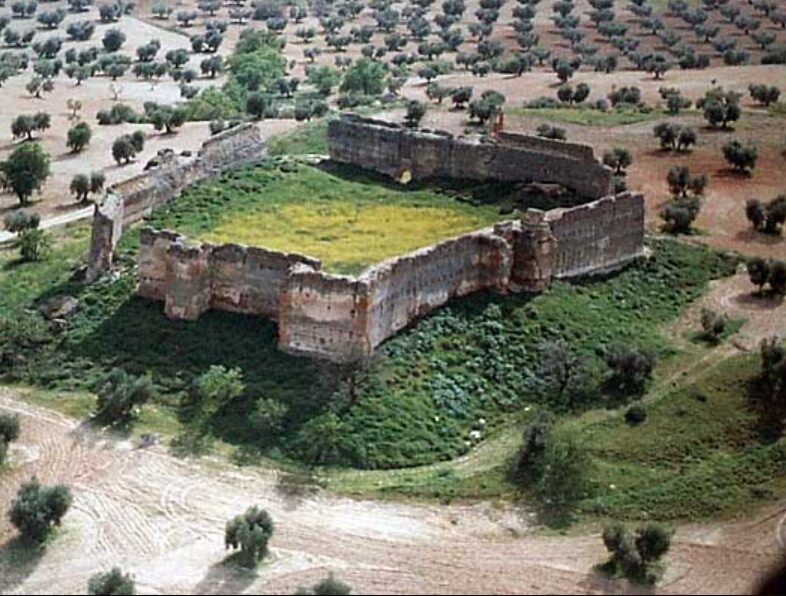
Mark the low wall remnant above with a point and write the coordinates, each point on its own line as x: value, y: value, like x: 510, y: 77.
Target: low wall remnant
x: 127, y: 202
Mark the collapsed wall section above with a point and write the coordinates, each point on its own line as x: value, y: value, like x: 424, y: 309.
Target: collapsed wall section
x: 391, y: 148
x: 129, y: 201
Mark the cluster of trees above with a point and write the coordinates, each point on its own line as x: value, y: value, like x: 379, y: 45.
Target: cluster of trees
x: 674, y: 136
x: 767, y: 217
x: 9, y: 432
x: 37, y: 509
x: 768, y: 272
x: 249, y: 534
x: 111, y: 583
x: 636, y: 556
x: 25, y: 125
x: 25, y: 170
x: 740, y: 157
x: 126, y: 147
x: 82, y: 185
x: 570, y: 380
x: 33, y: 242
x: 720, y: 107
x: 120, y: 395
x: 773, y: 372
x: 681, y: 210
x: 553, y: 465
x: 713, y: 325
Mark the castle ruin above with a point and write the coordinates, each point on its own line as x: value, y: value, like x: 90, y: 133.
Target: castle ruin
x: 344, y: 318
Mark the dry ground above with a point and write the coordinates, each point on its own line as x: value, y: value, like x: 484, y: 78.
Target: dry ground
x: 162, y: 519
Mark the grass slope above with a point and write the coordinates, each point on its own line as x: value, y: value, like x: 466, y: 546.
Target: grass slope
x: 705, y: 449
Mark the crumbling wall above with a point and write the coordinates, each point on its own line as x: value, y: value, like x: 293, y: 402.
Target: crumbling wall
x: 390, y: 148
x: 152, y: 261
x: 127, y: 202
x: 104, y: 235
x: 344, y: 319
x: 325, y: 316
x: 407, y: 287
x: 250, y: 280
x: 228, y: 277
x: 599, y: 236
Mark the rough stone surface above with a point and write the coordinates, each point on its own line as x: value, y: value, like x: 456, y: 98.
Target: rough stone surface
x: 343, y: 318
x: 232, y: 277
x: 391, y: 149
x: 127, y: 202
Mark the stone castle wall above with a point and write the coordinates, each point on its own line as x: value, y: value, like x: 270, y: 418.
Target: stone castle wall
x: 191, y: 278
x: 127, y: 202
x: 597, y: 236
x: 392, y: 148
x: 344, y: 318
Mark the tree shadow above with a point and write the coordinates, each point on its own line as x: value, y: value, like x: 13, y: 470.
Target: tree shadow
x: 733, y: 173
x: 226, y: 577
x: 18, y: 560
x: 753, y: 236
x: 296, y: 487
x: 755, y: 300
x: 507, y: 195
x: 138, y: 338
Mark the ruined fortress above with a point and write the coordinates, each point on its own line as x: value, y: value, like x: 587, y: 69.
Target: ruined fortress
x: 343, y: 318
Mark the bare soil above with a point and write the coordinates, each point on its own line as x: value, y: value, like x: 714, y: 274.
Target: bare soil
x: 162, y: 519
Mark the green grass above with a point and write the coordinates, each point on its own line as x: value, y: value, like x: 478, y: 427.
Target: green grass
x: 587, y: 116
x: 22, y: 282
x: 307, y: 139
x: 346, y: 223
x: 415, y: 404
x: 705, y: 449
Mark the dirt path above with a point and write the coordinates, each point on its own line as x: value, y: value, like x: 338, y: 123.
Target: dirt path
x: 162, y: 519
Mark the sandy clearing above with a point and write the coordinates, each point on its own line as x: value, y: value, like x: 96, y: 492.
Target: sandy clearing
x: 162, y: 519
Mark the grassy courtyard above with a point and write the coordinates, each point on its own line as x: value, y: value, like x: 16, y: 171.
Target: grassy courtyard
x: 347, y: 224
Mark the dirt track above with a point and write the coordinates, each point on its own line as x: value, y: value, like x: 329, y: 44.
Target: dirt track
x: 162, y: 519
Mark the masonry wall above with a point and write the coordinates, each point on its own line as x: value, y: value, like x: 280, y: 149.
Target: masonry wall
x: 391, y: 148
x: 127, y: 202
x: 407, y: 287
x: 325, y: 316
x: 598, y: 236
x: 343, y: 318
x: 229, y: 277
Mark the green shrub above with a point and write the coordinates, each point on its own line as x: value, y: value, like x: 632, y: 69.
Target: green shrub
x: 36, y: 509
x: 250, y: 533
